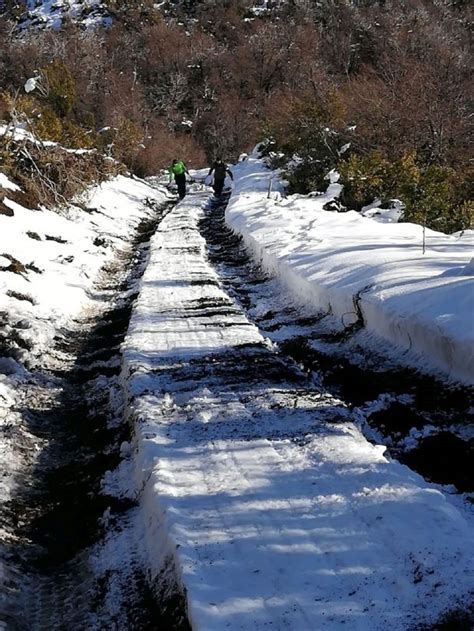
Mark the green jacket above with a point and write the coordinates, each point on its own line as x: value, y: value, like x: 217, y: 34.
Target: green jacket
x: 178, y: 169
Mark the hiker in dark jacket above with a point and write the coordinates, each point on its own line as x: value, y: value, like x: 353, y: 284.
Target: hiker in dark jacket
x: 220, y: 170
x: 178, y: 171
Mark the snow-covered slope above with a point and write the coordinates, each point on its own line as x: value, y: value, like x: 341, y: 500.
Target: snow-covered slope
x: 258, y: 490
x: 44, y: 14
x: 52, y: 13
x: 48, y: 264
x: 350, y: 266
x: 60, y: 255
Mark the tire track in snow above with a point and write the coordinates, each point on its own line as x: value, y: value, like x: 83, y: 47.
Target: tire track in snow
x: 426, y: 424
x: 60, y: 523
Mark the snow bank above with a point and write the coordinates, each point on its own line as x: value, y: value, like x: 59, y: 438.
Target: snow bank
x: 345, y: 264
x: 63, y: 254
x: 48, y: 264
x: 268, y: 502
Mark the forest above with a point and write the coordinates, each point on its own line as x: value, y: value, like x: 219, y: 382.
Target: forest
x: 380, y: 91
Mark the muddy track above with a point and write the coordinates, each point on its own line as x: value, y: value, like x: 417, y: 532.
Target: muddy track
x: 426, y: 422
x: 61, y: 519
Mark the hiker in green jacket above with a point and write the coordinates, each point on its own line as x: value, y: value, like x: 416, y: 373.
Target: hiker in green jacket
x: 178, y: 171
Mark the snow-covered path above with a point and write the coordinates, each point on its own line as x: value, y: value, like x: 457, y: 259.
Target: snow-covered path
x: 257, y: 488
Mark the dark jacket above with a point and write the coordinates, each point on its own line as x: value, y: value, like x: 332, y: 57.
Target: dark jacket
x: 220, y: 169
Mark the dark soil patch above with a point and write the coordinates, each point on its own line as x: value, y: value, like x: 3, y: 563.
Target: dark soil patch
x: 431, y: 401
x: 16, y: 266
x: 444, y: 458
x: 33, y: 235
x: 356, y: 385
x: 50, y: 237
x: 59, y: 517
x: 6, y: 210
x: 19, y: 296
x: 455, y: 621
x: 397, y: 418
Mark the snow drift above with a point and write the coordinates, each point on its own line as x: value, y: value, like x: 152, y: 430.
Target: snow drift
x: 353, y: 267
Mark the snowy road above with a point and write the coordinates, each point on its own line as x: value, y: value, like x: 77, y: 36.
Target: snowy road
x: 257, y: 488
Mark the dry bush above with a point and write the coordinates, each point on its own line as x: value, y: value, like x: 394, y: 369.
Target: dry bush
x: 4, y: 107
x: 123, y: 141
x: 163, y: 146
x: 58, y: 87
x: 231, y: 127
x: 52, y: 176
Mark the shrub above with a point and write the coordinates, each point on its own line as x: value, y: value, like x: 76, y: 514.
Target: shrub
x: 433, y: 195
x: 438, y: 201
x: 302, y: 134
x: 59, y: 87
x: 48, y: 126
x: 45, y: 123
x: 18, y: 106
x: 163, y: 146
x: 403, y: 176
x: 52, y: 176
x: 124, y: 141
x: 364, y: 177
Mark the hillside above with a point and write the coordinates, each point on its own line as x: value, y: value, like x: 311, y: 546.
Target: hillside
x: 378, y: 91
x: 32, y: 14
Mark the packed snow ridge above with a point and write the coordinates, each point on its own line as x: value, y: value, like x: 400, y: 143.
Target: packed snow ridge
x: 259, y: 490
x: 355, y: 268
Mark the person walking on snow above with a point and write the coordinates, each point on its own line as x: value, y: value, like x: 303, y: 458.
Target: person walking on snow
x: 178, y: 171
x: 220, y: 169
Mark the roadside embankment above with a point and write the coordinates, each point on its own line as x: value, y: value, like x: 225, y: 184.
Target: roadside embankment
x: 361, y: 271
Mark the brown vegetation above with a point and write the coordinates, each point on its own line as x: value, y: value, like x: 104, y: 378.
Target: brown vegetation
x: 51, y: 175
x: 390, y: 78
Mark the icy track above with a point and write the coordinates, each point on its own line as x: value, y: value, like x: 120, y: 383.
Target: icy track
x: 420, y: 306
x: 257, y: 489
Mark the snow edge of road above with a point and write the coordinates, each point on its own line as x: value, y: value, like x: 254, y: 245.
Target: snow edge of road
x: 410, y: 337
